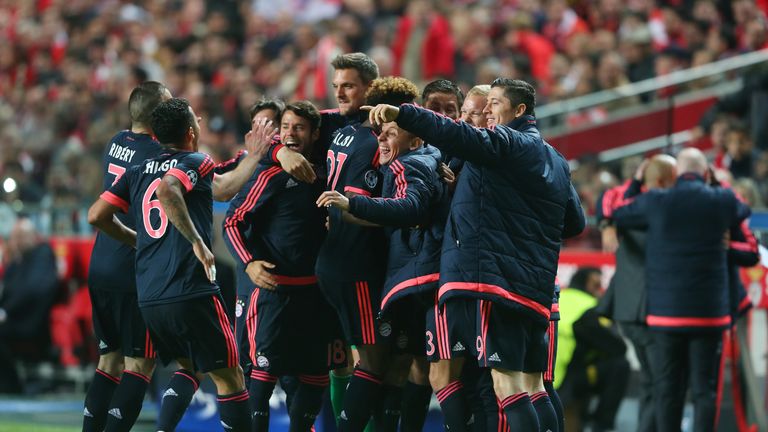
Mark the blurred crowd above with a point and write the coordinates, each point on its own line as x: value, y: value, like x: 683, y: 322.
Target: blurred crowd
x: 66, y: 67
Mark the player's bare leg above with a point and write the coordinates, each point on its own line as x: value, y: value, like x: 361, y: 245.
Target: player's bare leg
x: 513, y: 388
x: 105, y: 381
x: 233, y: 398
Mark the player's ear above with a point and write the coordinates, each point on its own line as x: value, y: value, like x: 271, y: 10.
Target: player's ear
x: 416, y: 143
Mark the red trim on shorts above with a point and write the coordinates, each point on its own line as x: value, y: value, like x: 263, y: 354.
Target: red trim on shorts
x: 315, y: 380
x: 408, y: 283
x: 440, y: 337
x: 496, y: 291
x: 665, y: 321
x: 502, y: 427
x: 115, y: 201
x: 295, y: 280
x: 195, y: 382
x: 367, y: 375
x: 448, y: 390
x: 183, y: 178
x: 149, y: 349
x: 549, y: 373
x: 261, y: 375
x: 446, y: 335
x: 115, y: 380
x: 485, y: 312
x: 366, y: 314
x: 136, y: 374
x: 237, y: 397
x: 251, y: 323
x: 229, y: 336
x: 358, y: 191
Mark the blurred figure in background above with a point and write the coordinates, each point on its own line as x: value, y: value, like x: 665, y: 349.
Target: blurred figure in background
x: 590, y: 359
x: 27, y: 292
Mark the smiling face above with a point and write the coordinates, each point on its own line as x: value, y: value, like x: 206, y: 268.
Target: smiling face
x: 296, y: 133
x: 499, y: 109
x: 443, y: 103
x: 394, y: 141
x: 472, y: 111
x: 349, y: 90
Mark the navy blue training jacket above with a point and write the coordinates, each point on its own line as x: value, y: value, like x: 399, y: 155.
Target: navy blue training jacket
x: 513, y: 205
x: 415, y: 204
x: 685, y: 257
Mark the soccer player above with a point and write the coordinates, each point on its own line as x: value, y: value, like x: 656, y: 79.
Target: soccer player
x: 414, y: 209
x: 472, y: 109
x: 124, y: 344
x: 350, y: 268
x: 171, y: 196
x: 274, y: 231
x: 271, y: 110
x: 514, y: 190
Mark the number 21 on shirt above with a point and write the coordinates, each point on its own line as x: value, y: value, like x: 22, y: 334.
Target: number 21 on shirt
x: 335, y: 162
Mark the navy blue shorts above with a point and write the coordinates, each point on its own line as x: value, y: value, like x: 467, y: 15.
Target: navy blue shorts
x: 293, y: 332
x: 198, y: 329
x: 118, y: 324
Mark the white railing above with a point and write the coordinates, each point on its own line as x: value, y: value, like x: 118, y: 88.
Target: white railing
x: 651, y: 84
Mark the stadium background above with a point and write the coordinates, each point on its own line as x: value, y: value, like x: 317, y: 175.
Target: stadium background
x: 614, y: 82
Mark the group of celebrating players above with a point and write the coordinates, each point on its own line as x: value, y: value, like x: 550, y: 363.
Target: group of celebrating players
x: 401, y: 248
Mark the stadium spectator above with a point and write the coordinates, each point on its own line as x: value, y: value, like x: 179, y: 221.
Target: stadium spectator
x: 740, y: 155
x: 28, y: 289
x: 590, y: 359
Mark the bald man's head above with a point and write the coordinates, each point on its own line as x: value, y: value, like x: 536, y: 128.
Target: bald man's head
x: 661, y: 172
x: 691, y: 160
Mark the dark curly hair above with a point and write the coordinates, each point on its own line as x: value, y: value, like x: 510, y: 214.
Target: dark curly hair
x: 391, y: 90
x: 171, y: 120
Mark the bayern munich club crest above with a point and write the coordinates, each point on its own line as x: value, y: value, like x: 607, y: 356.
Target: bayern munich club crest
x: 371, y: 178
x: 385, y: 329
x: 262, y: 361
x: 239, y: 308
x: 192, y: 174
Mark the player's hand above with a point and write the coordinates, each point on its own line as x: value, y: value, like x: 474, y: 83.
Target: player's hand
x: 333, y: 199
x: 259, y: 273
x: 205, y: 257
x: 446, y: 173
x: 296, y: 165
x: 381, y: 113
x: 610, y: 239
x: 259, y: 138
x: 640, y: 172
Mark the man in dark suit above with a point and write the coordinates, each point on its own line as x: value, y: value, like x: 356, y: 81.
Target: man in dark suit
x: 687, y: 285
x: 625, y: 299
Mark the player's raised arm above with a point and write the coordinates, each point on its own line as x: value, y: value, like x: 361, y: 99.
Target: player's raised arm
x: 257, y: 142
x: 171, y: 196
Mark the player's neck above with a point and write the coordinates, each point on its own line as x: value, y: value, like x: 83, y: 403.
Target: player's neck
x: 140, y: 129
